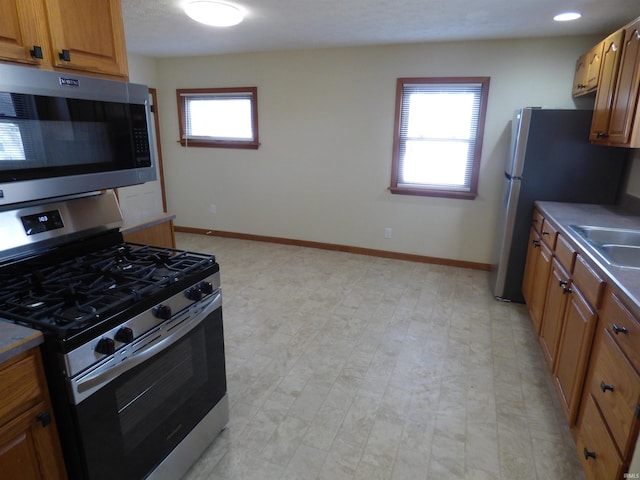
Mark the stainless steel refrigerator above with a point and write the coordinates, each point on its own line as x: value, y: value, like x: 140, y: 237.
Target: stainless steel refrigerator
x: 550, y: 159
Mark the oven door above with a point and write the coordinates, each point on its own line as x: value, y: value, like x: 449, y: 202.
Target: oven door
x: 138, y: 414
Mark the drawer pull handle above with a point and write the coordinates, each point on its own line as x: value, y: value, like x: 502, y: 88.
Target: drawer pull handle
x: 617, y: 329
x: 604, y: 387
x: 545, y: 233
x: 566, y: 290
x: 65, y: 55
x: 36, y: 52
x: 588, y: 454
x: 562, y: 283
x: 44, y: 418
x: 536, y: 243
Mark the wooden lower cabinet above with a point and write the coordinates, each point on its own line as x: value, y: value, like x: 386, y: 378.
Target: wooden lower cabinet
x: 615, y: 386
x: 530, y: 265
x: 558, y: 291
x: 598, y: 453
x: 591, y: 342
x: 536, y: 273
x: 573, y: 352
x: 29, y: 445
x: 160, y: 235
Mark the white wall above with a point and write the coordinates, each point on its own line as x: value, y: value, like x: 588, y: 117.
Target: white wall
x: 140, y: 203
x: 326, y: 127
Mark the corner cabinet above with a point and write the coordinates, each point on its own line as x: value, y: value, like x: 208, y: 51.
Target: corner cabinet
x: 587, y: 74
x: 29, y: 445
x: 67, y: 35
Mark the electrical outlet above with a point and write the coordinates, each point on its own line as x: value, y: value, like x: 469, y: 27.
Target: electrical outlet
x: 387, y: 232
x: 212, y: 209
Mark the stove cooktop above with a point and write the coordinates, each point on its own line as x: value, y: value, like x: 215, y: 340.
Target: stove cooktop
x: 78, y: 293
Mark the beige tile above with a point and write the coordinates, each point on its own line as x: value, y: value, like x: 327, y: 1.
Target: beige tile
x: 345, y: 367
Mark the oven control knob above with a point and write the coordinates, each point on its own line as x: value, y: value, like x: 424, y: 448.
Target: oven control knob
x: 124, y: 335
x: 193, y: 293
x: 206, y: 288
x: 162, y: 312
x: 106, y: 346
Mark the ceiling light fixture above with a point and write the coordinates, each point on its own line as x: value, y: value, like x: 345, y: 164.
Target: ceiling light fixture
x: 567, y: 17
x: 216, y: 14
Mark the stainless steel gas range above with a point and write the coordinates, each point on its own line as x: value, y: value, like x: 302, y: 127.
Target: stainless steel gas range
x: 134, y: 348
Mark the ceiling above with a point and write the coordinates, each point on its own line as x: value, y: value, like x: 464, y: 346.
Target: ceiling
x: 159, y: 28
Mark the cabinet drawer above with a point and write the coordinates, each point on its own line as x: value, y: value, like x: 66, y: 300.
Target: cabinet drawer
x: 19, y: 386
x: 597, y: 451
x: 537, y: 221
x: 615, y: 386
x: 549, y: 234
x: 623, y: 327
x: 590, y: 284
x: 565, y: 253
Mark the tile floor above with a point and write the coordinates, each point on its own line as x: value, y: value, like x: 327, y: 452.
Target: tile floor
x: 344, y: 366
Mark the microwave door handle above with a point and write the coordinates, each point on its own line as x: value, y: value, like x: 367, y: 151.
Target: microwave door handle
x: 105, y: 376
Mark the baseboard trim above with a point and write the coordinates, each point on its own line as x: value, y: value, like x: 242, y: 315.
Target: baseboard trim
x: 339, y: 248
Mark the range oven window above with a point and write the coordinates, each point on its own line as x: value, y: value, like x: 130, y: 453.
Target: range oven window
x: 44, y: 137
x: 175, y: 375
x: 128, y: 426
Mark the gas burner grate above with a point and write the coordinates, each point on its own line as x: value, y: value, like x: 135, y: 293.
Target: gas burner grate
x: 78, y: 292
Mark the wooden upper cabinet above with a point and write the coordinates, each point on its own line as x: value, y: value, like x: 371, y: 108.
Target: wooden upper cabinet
x: 587, y: 72
x: 625, y: 99
x: 72, y: 35
x: 611, y: 54
x: 90, y: 33
x: 580, y: 76
x: 24, y: 35
x: 594, y: 61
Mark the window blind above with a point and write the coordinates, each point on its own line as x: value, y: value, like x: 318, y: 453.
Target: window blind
x: 218, y: 116
x: 438, y: 134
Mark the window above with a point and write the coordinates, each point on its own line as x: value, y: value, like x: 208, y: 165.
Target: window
x: 11, y: 145
x: 218, y: 117
x: 438, y: 136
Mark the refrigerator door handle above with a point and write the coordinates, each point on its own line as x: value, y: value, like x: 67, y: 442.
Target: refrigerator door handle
x: 510, y: 177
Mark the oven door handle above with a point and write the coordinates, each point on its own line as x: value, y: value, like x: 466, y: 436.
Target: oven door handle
x: 84, y: 386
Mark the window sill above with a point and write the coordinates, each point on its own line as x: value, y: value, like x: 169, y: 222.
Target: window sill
x: 220, y: 144
x: 433, y: 193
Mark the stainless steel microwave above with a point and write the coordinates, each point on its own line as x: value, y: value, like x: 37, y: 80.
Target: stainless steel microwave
x: 64, y: 134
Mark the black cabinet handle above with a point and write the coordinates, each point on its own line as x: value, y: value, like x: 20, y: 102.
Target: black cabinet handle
x: 617, y: 329
x: 602, y: 135
x: 566, y: 291
x: 536, y: 243
x: 36, y: 52
x: 604, y: 387
x: 65, y: 55
x: 562, y: 283
x: 44, y: 418
x: 588, y: 454
x: 545, y: 233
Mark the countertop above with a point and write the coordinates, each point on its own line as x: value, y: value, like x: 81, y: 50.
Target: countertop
x: 562, y: 215
x: 145, y: 221
x: 15, y: 339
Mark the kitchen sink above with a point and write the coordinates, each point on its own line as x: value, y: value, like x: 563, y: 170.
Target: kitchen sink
x: 619, y: 246
x: 622, y: 255
x: 608, y: 236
